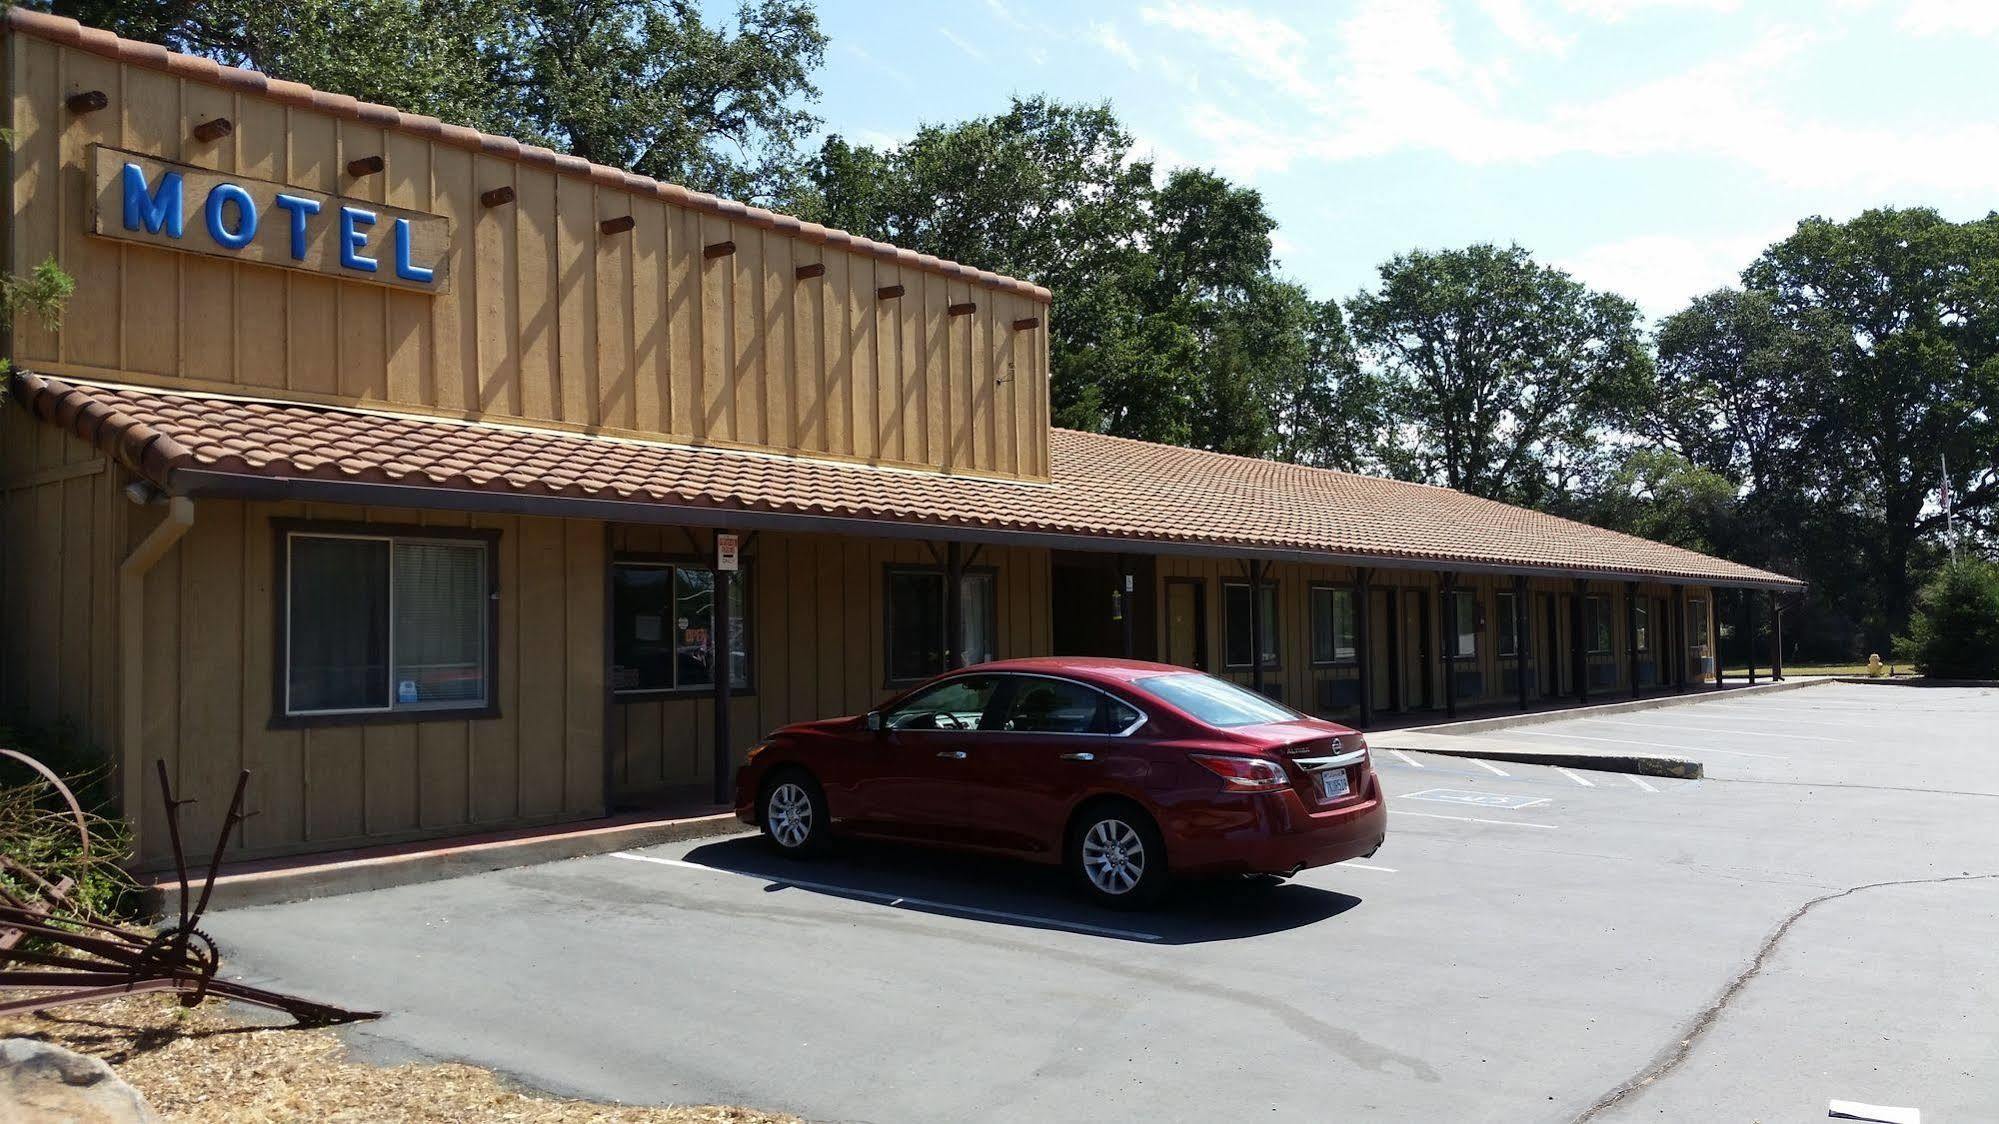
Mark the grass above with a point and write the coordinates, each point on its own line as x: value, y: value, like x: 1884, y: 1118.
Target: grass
x: 206, y: 1065
x: 1902, y: 671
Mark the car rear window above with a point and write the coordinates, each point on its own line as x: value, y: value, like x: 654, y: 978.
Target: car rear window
x: 1217, y: 702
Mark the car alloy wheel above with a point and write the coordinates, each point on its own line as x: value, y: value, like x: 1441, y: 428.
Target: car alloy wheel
x: 1113, y: 857
x: 788, y: 813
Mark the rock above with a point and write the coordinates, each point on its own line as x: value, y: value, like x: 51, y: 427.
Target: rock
x: 44, y: 1082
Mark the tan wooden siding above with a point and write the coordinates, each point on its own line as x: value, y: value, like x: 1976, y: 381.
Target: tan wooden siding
x: 59, y: 545
x: 817, y: 614
x: 546, y: 319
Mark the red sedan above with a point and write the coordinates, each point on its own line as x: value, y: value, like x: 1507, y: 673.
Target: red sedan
x: 1125, y: 772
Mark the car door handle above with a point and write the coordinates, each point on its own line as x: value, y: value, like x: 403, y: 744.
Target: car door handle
x: 953, y: 754
x: 1079, y: 757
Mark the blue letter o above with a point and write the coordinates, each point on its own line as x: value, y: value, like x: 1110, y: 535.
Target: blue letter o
x: 246, y: 208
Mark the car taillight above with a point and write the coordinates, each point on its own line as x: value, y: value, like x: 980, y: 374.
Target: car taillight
x: 1243, y: 774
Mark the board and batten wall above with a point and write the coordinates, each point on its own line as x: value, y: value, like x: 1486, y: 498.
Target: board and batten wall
x: 210, y: 635
x: 817, y: 618
x: 545, y: 318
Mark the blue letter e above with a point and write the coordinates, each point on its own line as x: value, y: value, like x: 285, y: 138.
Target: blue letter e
x: 353, y: 239
x: 153, y: 211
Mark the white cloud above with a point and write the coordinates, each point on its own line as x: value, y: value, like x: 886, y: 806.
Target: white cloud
x: 1006, y: 16
x: 1523, y: 26
x: 1613, y: 11
x: 1106, y: 36
x: 1662, y: 272
x: 1397, y: 81
x: 961, y: 43
x: 1950, y: 17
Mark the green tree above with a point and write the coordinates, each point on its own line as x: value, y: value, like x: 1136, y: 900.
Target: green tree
x: 647, y: 85
x: 1659, y: 495
x: 1502, y: 373
x: 1899, y: 313
x: 1954, y: 632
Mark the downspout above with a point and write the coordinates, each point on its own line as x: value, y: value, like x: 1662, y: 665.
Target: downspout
x: 132, y: 655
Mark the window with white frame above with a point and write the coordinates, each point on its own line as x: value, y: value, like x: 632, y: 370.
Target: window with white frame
x: 1236, y: 629
x: 1334, y: 629
x: 1596, y: 621
x: 1465, y: 622
x: 379, y: 623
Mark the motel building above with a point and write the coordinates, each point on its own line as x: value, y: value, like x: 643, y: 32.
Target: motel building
x: 448, y: 484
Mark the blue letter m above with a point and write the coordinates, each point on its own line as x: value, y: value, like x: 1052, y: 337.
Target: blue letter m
x: 153, y: 210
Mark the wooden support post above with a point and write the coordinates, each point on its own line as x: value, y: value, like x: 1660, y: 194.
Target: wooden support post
x: 365, y: 166
x: 954, y: 606
x: 724, y: 750
x: 1256, y: 625
x: 1747, y: 601
x: 86, y: 101
x: 1631, y: 632
x: 1680, y: 646
x: 1578, y: 637
x: 1523, y: 646
x: 1776, y: 638
x: 1363, y: 648
x: 213, y: 129
x: 1447, y: 617
x: 810, y: 270
x: 497, y: 197
x: 618, y: 225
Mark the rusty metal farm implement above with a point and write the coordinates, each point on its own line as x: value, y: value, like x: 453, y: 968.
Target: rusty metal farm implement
x: 55, y: 950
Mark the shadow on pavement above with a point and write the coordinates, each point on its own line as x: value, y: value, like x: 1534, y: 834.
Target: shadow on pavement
x: 1028, y: 895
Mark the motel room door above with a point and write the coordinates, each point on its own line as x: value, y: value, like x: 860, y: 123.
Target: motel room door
x: 1186, y: 623
x: 1413, y: 629
x: 1381, y: 647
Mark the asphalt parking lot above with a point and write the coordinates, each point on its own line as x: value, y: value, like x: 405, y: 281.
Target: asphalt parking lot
x: 1817, y: 918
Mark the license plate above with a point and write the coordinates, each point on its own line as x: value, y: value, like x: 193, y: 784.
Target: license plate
x: 1332, y: 784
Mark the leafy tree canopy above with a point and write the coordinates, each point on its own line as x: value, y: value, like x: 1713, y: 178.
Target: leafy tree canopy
x: 1501, y: 371
x: 647, y: 85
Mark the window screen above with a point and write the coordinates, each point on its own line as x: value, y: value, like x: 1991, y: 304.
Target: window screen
x: 1236, y: 626
x: 384, y: 623
x: 917, y: 640
x: 1333, y: 626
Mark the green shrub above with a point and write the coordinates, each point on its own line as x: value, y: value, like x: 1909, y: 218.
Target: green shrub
x: 1955, y: 631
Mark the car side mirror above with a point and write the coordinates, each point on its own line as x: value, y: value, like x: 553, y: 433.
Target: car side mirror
x: 873, y: 720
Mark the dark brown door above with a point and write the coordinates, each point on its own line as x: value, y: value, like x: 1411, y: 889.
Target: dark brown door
x: 1186, y: 624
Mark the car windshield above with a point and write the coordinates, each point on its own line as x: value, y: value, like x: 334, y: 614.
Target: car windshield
x: 1217, y: 702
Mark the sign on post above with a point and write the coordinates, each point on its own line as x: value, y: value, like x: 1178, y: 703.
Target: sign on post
x: 727, y: 553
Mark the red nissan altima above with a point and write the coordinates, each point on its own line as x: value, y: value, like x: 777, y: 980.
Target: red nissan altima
x: 1125, y: 772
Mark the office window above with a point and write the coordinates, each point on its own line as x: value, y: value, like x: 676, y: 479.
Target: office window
x: 1642, y: 621
x: 1236, y: 626
x: 1697, y: 633
x: 378, y: 624
x: 1334, y: 630
x: 663, y: 628
x: 1507, y: 606
x: 916, y: 609
x: 1464, y: 612
x: 1596, y: 620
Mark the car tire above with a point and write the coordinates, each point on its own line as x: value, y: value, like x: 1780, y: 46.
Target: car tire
x: 792, y: 813
x: 1118, y: 857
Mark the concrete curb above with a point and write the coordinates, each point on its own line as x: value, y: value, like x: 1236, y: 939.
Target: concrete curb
x: 355, y: 875
x: 1643, y: 764
x: 1919, y: 681
x: 1628, y: 706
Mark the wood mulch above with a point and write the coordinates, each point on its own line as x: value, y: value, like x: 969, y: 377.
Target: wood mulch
x: 205, y: 1065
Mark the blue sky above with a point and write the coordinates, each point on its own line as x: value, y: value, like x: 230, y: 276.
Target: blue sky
x: 1651, y: 147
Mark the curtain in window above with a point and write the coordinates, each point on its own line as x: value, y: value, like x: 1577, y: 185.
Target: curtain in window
x: 339, y: 624
x: 440, y: 606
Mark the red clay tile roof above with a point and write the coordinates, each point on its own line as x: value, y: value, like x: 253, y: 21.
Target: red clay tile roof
x: 1102, y: 488
x: 61, y: 29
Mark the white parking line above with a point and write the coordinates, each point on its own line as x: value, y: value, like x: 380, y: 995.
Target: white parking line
x: 1654, y: 745
x: 1494, y: 770
x: 899, y: 901
x: 1640, y: 782
x: 1576, y: 777
x: 1406, y: 759
x: 1473, y: 819
x: 1364, y: 866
